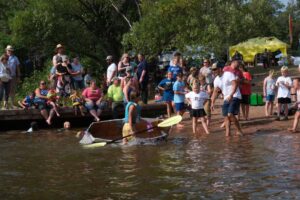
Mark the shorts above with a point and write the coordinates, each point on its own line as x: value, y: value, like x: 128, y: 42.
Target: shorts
x: 179, y: 107
x: 43, y: 106
x: 127, y: 131
x: 232, y: 107
x: 92, y: 106
x: 198, y: 113
x: 207, y: 108
x: 270, y: 97
x: 245, y: 99
x: 168, y: 97
x: 284, y: 100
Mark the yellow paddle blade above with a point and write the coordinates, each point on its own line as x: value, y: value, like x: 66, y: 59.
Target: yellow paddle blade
x: 170, y: 121
x: 94, y: 145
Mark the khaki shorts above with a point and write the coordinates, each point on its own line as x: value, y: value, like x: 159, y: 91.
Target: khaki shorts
x: 207, y: 108
x: 127, y: 131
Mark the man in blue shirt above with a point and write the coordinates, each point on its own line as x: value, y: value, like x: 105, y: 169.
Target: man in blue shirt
x: 143, y: 77
x: 174, y: 65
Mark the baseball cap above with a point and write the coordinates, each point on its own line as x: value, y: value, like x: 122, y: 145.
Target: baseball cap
x: 109, y: 57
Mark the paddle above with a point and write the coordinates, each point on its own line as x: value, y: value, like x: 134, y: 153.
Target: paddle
x: 166, y: 123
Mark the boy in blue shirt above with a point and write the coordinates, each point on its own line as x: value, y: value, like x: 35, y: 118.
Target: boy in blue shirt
x: 174, y: 65
x: 179, y: 95
x: 166, y: 85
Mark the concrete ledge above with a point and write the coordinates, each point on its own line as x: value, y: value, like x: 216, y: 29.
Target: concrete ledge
x: 150, y: 110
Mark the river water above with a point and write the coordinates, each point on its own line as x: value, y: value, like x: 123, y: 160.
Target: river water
x: 54, y: 166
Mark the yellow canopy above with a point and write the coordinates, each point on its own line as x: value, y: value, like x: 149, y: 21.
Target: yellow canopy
x: 254, y: 46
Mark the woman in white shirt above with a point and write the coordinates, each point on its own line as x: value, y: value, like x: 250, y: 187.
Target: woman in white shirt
x: 284, y: 84
x: 4, y: 80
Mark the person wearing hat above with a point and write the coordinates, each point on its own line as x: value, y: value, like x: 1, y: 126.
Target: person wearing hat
x: 14, y: 67
x: 284, y: 84
x: 59, y: 52
x: 111, y: 71
x: 4, y: 80
x: 115, y: 95
x: 227, y: 83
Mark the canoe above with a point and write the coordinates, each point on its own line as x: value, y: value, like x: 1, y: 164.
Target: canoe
x: 105, y: 131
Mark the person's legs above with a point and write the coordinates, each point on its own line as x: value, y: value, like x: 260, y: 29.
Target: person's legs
x: 267, y: 108
x: 144, y: 93
x: 227, y: 126
x: 53, y: 105
x: 271, y: 107
x: 169, y: 107
x: 247, y: 109
x: 286, y: 110
x: 81, y: 108
x: 207, y: 110
x: 44, y: 113
x: 51, y: 115
x: 12, y: 93
x: 195, y: 124
x: 243, y: 110
x: 94, y: 114
x: 204, y: 125
x: 278, y: 110
x: 233, y: 110
x: 296, y: 121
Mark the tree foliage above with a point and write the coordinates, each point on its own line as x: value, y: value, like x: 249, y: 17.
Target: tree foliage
x: 211, y: 24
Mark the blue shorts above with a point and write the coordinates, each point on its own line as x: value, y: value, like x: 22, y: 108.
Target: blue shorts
x: 92, y: 106
x: 270, y: 97
x: 179, y: 107
x: 168, y: 97
x: 232, y: 107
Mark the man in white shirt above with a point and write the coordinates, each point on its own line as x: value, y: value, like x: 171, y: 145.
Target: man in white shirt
x: 284, y: 84
x: 14, y: 66
x: 111, y: 70
x: 227, y: 83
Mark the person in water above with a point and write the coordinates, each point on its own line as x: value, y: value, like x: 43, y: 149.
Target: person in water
x: 132, y: 116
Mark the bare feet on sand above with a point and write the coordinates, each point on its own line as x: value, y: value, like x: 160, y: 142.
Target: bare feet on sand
x: 292, y: 130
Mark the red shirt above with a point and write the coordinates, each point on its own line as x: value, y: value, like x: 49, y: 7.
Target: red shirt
x: 246, y: 87
x: 236, y: 72
x: 93, y: 95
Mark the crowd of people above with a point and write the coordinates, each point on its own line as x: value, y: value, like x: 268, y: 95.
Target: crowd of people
x: 126, y: 82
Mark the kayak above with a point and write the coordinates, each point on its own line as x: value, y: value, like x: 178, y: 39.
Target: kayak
x: 105, y: 131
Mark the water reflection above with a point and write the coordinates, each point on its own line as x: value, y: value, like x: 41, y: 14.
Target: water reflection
x: 47, y: 166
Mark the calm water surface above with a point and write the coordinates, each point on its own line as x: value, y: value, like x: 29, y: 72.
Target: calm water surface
x: 44, y: 166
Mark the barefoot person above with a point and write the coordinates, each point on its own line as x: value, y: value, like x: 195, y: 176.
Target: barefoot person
x: 93, y: 97
x: 297, y: 105
x: 179, y: 95
x: 197, y: 99
x: 284, y: 84
x: 227, y: 83
x: 132, y: 116
x: 269, y: 93
x: 41, y: 101
x: 166, y: 85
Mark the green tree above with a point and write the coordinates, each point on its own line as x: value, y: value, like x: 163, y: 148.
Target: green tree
x: 215, y: 25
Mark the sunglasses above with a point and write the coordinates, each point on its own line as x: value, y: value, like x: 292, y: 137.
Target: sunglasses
x: 42, y: 83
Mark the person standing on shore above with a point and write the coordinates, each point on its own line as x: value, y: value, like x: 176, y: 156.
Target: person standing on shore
x: 179, y: 96
x: 143, y: 77
x: 269, y: 93
x: 245, y: 91
x: 77, y: 71
x: 206, y: 71
x: 5, y: 79
x: 284, y: 84
x: 166, y: 85
x: 15, y: 73
x: 174, y: 65
x: 227, y: 83
x: 297, y: 105
x: 197, y: 99
x: 111, y: 71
